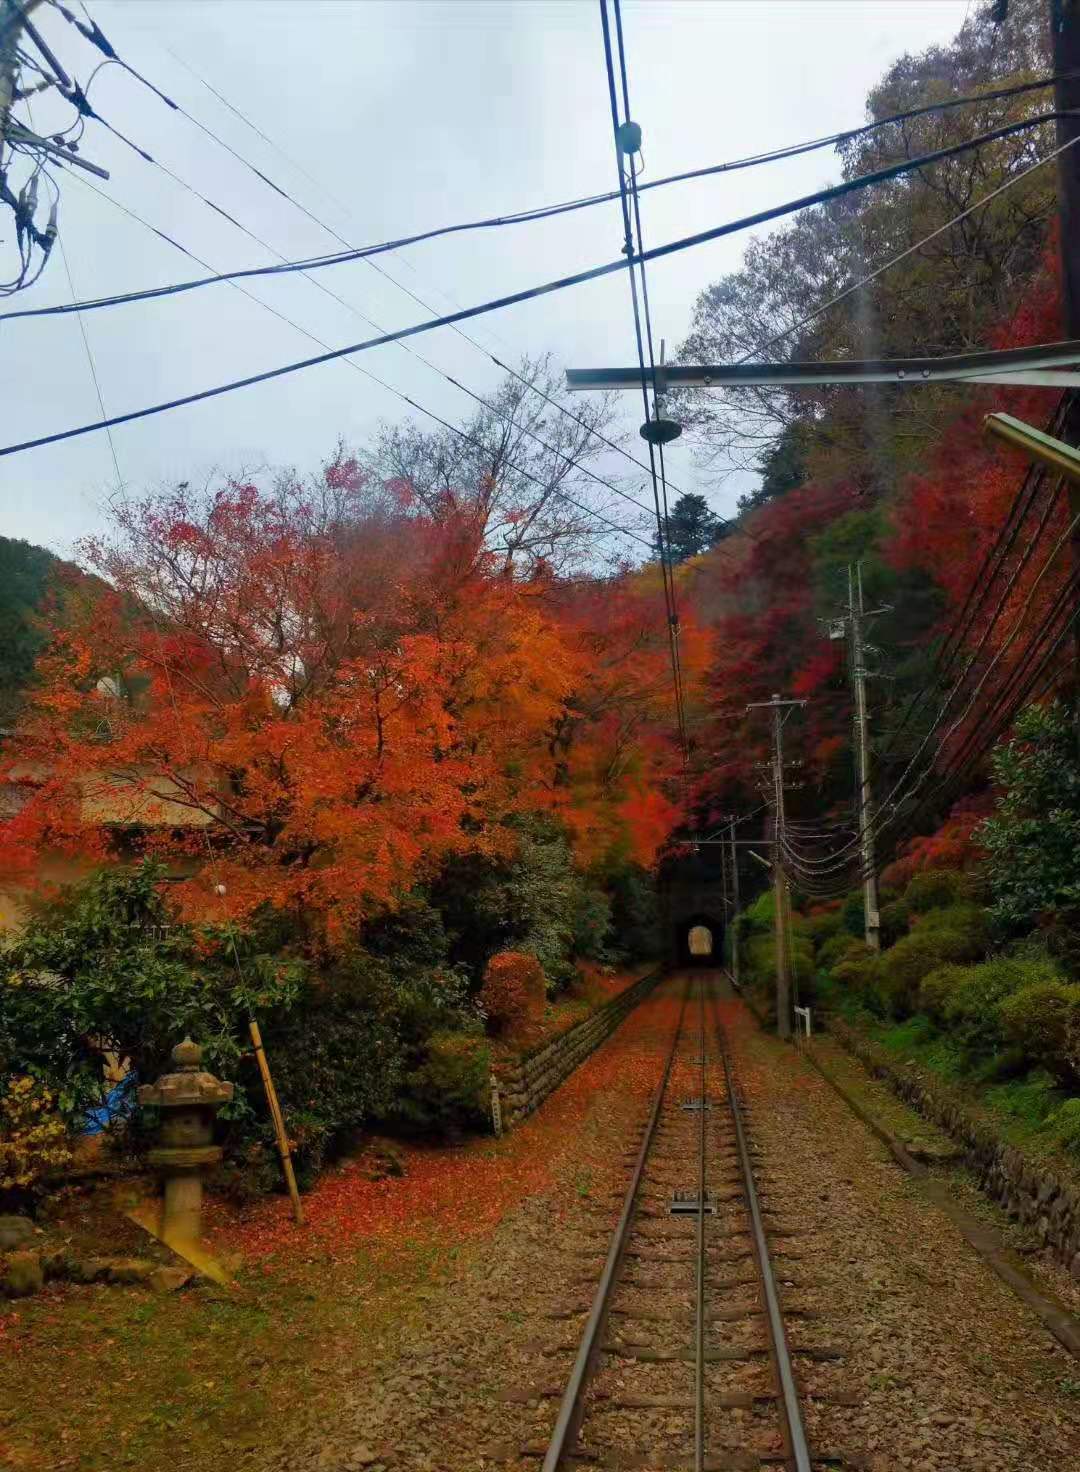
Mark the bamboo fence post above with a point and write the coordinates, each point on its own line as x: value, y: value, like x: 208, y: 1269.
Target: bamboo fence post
x: 279, y: 1122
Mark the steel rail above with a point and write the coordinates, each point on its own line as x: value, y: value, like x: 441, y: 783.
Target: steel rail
x: 568, y: 1420
x: 794, y: 1428
x: 699, y: 1308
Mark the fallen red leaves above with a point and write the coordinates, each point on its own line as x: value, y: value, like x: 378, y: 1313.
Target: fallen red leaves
x: 461, y: 1191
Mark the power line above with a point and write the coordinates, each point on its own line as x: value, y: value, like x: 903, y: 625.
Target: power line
x: 348, y: 305
x: 885, y: 814
x: 412, y: 403
x: 351, y: 253
x: 94, y: 34
x: 560, y: 284
x: 911, y: 249
x: 746, y: 222
x: 398, y: 393
x: 629, y: 252
x: 1000, y: 710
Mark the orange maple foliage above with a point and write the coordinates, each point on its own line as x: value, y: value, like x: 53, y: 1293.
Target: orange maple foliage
x: 311, y: 697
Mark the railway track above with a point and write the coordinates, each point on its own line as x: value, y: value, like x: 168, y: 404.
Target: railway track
x: 685, y: 1360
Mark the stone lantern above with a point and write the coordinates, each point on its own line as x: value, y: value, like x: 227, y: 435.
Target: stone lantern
x: 189, y: 1100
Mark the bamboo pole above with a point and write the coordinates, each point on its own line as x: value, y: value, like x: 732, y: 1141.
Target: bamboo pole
x: 279, y: 1122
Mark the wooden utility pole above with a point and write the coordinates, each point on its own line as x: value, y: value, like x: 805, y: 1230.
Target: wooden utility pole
x: 856, y: 613
x: 734, y: 907
x: 783, y: 973
x: 11, y: 23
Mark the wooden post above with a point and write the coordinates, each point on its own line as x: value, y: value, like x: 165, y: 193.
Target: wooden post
x: 279, y: 1122
x: 496, y: 1107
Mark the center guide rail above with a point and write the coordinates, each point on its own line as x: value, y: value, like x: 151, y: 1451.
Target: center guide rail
x: 702, y: 1138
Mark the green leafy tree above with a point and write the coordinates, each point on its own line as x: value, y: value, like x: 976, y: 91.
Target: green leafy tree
x: 530, y: 901
x: 1033, y: 840
x: 25, y: 573
x: 946, y: 296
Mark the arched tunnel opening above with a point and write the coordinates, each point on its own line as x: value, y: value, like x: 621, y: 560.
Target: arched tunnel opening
x: 699, y: 940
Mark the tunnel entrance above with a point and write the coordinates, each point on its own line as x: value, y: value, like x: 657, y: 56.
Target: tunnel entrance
x: 699, y: 941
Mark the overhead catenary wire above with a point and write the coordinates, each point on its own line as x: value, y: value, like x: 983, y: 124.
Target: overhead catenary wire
x: 635, y: 200
x: 629, y: 252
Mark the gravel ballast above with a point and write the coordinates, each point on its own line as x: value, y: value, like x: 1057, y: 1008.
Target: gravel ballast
x: 946, y: 1368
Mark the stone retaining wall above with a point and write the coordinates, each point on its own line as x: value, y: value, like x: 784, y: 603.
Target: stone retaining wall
x: 525, y: 1083
x: 1028, y: 1191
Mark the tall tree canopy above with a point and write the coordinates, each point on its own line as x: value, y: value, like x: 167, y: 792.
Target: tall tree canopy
x: 946, y: 296
x: 315, y: 692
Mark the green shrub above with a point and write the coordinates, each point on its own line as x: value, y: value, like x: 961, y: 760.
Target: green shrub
x: 337, y: 1060
x: 107, y: 969
x: 1041, y: 1017
x: 820, y: 929
x: 1065, y: 1123
x: 971, y: 1009
x: 915, y: 956
x: 760, y: 960
x: 965, y: 918
x: 759, y: 957
x: 757, y: 919
x: 894, y: 922
x: 590, y: 924
x: 937, y: 987
x: 449, y: 1088
x: 839, y: 948
x: 933, y: 889
x: 801, y: 960
x: 635, y: 928
x: 1033, y: 839
x: 33, y: 1140
x: 853, y: 914
x: 858, y: 977
x: 103, y: 970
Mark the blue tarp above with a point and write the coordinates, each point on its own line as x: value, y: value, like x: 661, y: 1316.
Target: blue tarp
x: 119, y: 1103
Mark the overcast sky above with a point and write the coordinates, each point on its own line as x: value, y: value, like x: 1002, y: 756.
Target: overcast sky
x: 406, y: 115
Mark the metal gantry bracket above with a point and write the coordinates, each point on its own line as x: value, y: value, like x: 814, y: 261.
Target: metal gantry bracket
x: 1051, y: 365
